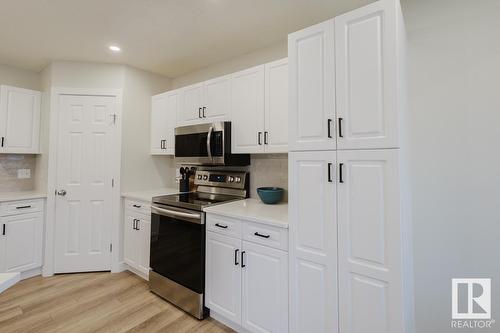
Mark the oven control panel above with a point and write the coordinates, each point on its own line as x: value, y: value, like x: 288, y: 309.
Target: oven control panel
x: 221, y: 178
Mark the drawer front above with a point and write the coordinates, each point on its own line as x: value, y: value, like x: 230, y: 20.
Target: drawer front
x: 266, y: 235
x: 138, y: 206
x: 21, y: 207
x: 224, y: 225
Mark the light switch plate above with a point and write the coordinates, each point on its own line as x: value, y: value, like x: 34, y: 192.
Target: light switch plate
x: 23, y: 173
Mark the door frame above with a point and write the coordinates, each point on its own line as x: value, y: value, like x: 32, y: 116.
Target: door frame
x: 53, y: 110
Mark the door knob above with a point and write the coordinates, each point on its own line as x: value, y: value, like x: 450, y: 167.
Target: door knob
x: 61, y: 193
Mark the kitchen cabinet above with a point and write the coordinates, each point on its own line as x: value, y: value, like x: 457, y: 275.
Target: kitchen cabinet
x: 247, y: 105
x: 313, y: 242
x: 163, y: 122
x: 367, y: 72
x: 223, y: 275
x: 19, y: 120
x: 136, y: 237
x: 369, y: 230
x: 259, y: 103
x: 276, y: 107
x: 205, y: 102
x: 312, y: 88
x: 247, y: 274
x: 21, y: 235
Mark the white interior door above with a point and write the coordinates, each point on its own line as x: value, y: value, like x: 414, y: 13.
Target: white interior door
x: 84, y: 213
x: 370, y: 276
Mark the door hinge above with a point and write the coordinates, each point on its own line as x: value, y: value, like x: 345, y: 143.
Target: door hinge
x: 110, y: 247
x: 112, y: 182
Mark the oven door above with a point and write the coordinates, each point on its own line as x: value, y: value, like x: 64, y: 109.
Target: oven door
x: 201, y: 144
x: 178, y: 246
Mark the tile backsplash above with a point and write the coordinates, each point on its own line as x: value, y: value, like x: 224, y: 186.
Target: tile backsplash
x: 268, y: 170
x: 9, y: 164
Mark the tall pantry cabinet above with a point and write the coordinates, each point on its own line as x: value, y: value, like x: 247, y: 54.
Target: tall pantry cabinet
x: 349, y: 250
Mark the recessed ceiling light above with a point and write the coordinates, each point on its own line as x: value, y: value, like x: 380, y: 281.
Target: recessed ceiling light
x: 114, y: 48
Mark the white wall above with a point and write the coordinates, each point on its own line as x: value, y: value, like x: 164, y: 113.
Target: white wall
x: 258, y: 57
x: 17, y: 77
x: 454, y: 99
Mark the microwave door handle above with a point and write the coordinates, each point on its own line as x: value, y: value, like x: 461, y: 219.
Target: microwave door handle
x: 209, y: 136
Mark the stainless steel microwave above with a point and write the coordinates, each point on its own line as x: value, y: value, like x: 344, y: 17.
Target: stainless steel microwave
x: 207, y: 144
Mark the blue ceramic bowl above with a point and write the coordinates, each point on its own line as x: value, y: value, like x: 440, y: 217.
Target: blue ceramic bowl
x: 270, y: 195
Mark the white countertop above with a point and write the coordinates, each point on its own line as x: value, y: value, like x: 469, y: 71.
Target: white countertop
x: 147, y: 195
x: 255, y: 211
x: 7, y: 280
x: 21, y: 195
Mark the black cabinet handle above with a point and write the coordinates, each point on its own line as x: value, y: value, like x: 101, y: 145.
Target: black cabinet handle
x: 243, y: 259
x: 261, y: 235
x: 204, y: 108
x: 329, y: 128
x: 330, y: 172
x: 221, y: 226
x: 136, y: 206
x: 3, y: 139
x: 259, y: 138
x: 133, y: 224
x: 236, y: 257
x: 138, y: 225
x: 340, y: 128
x: 199, y: 112
x: 3, y: 230
x: 266, y: 134
x: 341, y: 178
x: 23, y: 207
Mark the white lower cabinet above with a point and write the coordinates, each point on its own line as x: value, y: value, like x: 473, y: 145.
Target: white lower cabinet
x: 21, y: 232
x: 246, y: 283
x: 136, y: 237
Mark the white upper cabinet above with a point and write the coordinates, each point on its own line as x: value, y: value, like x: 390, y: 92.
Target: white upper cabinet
x: 370, y: 249
x: 19, y: 120
x: 216, y: 99
x: 276, y: 107
x: 313, y: 242
x: 163, y: 121
x: 312, y: 88
x: 247, y: 109
x: 191, y: 108
x: 205, y: 102
x: 259, y: 105
x: 366, y: 77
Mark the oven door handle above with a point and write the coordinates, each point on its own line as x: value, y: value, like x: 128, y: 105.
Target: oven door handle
x: 174, y: 213
x: 209, y: 137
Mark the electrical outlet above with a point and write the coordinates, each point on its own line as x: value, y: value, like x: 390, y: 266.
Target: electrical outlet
x: 23, y: 173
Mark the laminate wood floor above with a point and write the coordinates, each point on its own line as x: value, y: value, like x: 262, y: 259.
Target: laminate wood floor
x: 93, y: 302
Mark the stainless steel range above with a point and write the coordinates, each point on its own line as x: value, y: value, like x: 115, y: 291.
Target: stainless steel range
x: 178, y: 237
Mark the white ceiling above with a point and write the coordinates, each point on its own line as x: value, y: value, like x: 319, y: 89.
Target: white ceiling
x: 170, y: 37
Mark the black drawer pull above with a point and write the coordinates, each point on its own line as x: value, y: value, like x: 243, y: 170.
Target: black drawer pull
x: 236, y: 257
x: 23, y: 207
x: 261, y: 235
x: 221, y: 226
x: 137, y: 206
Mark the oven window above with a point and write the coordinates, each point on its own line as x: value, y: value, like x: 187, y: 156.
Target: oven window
x: 178, y: 251
x: 195, y: 145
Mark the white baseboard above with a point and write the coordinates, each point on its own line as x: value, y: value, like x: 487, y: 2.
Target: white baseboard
x: 221, y: 319
x: 136, y: 272
x: 31, y: 273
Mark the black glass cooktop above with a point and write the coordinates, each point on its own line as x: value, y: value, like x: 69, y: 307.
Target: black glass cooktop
x: 194, y: 200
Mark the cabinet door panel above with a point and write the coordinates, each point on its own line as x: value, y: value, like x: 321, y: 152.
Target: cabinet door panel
x: 159, y: 121
x: 276, y: 97
x: 369, y: 242
x: 223, y: 276
x: 247, y: 109
x: 22, y: 242
x: 265, y: 301
x: 192, y: 102
x: 130, y: 242
x: 217, y: 98
x: 312, y: 88
x: 366, y: 63
x: 313, y: 242
x: 19, y: 120
x: 144, y: 241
